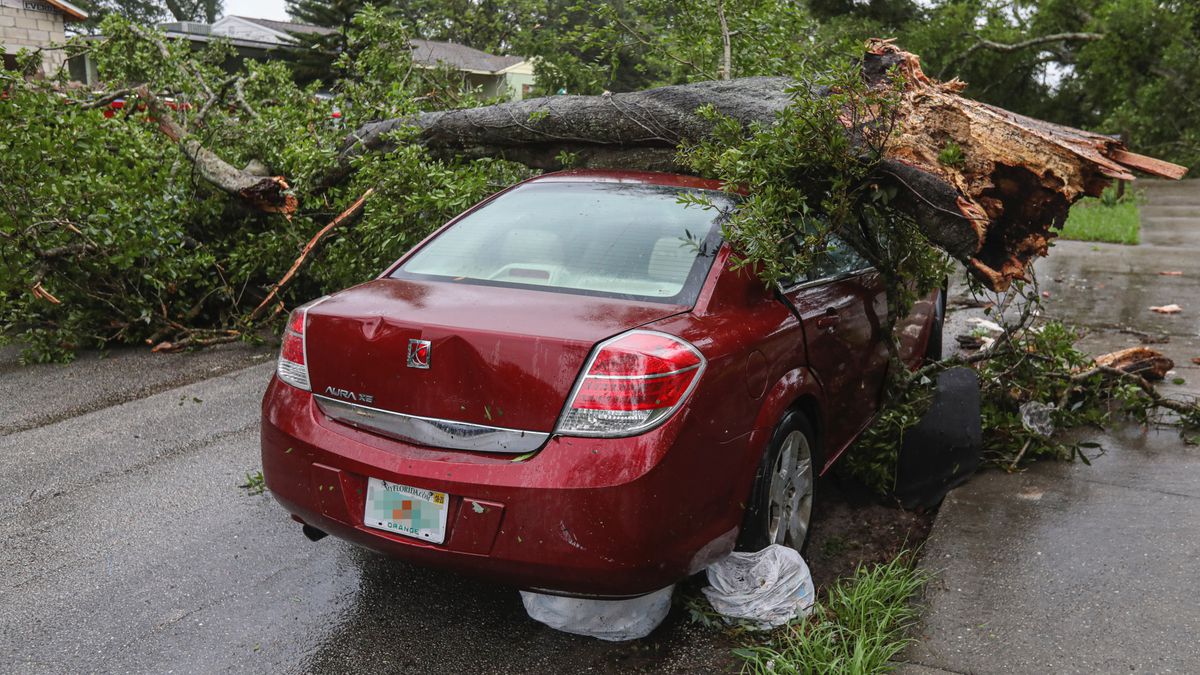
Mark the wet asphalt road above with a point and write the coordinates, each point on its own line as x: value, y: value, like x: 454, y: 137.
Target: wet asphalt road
x: 127, y: 546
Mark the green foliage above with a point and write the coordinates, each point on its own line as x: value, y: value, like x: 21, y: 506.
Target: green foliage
x: 118, y: 241
x: 255, y: 483
x: 490, y: 25
x: 206, y: 11
x: 315, y: 53
x: 588, y: 46
x: 951, y: 155
x: 859, y: 627
x: 809, y: 183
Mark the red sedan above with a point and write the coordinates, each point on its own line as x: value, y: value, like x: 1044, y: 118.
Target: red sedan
x: 567, y: 388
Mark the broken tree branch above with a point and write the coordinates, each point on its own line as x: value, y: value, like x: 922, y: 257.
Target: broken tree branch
x: 1018, y: 178
x: 1181, y: 407
x: 350, y: 212
x: 196, y: 339
x: 1008, y: 48
x: 984, y: 43
x: 727, y: 47
x: 263, y: 193
x: 239, y: 94
x: 108, y: 98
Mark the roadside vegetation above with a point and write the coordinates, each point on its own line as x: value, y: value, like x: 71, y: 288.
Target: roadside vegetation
x: 858, y: 625
x: 1108, y: 218
x: 862, y: 623
x: 107, y: 235
x: 255, y: 483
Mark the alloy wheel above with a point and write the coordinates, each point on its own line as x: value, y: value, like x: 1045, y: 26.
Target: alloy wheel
x: 790, y: 496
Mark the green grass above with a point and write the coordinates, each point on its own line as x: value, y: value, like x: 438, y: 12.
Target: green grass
x: 255, y: 484
x: 860, y: 627
x: 1092, y: 220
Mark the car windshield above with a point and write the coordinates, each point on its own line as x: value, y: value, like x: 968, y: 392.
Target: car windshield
x: 610, y: 239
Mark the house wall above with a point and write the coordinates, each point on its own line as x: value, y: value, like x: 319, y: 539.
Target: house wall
x: 518, y: 84
x: 32, y: 24
x: 510, y: 86
x: 488, y: 85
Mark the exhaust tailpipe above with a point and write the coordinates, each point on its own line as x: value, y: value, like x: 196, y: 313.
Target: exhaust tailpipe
x: 313, y: 533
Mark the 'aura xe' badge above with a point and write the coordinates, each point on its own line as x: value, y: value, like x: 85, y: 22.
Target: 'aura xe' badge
x: 418, y: 353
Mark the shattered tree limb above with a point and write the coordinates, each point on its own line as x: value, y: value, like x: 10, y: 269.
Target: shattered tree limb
x: 351, y: 211
x: 265, y: 193
x: 994, y: 212
x: 1019, y: 175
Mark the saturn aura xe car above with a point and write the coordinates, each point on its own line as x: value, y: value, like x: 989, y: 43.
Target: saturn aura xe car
x: 570, y: 389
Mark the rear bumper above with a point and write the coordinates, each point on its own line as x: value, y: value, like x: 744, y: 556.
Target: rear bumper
x: 596, y: 517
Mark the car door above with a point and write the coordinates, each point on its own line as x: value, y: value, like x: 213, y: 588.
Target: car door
x: 843, y: 307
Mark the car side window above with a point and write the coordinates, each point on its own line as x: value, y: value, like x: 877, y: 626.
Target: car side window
x: 837, y: 259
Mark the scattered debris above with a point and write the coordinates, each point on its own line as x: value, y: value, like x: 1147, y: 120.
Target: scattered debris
x: 42, y: 294
x: 1143, y: 361
x: 1038, y: 418
x: 989, y: 326
x: 1196, y: 360
x: 971, y: 303
x: 1147, y: 338
x: 767, y: 588
x: 972, y: 342
x: 1167, y: 309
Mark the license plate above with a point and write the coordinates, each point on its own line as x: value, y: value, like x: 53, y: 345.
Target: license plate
x: 402, y: 509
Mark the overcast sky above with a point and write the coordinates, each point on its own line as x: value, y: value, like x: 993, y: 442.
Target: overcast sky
x: 258, y: 9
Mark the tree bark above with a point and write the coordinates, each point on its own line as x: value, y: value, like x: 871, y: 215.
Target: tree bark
x: 637, y: 130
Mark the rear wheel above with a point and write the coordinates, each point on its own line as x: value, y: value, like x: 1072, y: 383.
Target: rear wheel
x: 781, y: 502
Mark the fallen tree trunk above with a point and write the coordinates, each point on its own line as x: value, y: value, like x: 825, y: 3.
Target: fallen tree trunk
x: 994, y: 211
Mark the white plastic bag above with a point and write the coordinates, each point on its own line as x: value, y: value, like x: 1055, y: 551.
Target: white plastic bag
x: 1038, y: 418
x: 612, y: 620
x: 767, y: 588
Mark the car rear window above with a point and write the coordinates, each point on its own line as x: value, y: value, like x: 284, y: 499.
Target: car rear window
x: 611, y: 239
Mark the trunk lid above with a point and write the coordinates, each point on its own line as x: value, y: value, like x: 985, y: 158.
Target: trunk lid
x: 497, y: 356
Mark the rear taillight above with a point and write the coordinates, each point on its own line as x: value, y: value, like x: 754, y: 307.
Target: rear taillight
x: 631, y: 384
x: 293, y: 355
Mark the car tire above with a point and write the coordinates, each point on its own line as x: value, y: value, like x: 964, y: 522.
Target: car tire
x: 933, y: 347
x: 781, y: 500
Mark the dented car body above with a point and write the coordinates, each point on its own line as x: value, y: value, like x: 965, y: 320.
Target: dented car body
x: 568, y: 388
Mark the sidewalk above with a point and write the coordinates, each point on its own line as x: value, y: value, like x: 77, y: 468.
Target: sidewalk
x: 1073, y: 568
